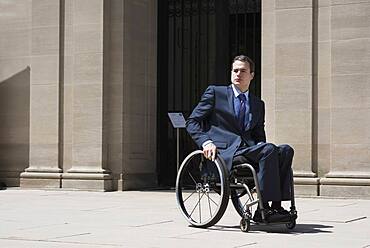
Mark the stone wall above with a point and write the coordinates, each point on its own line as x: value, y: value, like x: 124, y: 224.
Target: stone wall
x: 78, y: 94
x: 15, y: 82
x: 315, y: 82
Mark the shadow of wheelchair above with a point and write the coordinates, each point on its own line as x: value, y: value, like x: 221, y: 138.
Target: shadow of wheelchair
x: 312, y: 228
x: 278, y: 228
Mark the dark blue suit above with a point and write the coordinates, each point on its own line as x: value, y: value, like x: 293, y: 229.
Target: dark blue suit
x: 214, y: 119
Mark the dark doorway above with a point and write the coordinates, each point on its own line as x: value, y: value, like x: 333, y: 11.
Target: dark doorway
x: 197, y: 40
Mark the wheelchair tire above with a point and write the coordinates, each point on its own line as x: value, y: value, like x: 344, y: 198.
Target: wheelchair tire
x: 245, y: 225
x: 202, y: 189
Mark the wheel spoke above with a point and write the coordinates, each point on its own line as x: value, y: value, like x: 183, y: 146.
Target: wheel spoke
x: 196, y: 205
x: 209, y: 204
x: 213, y: 200
x: 189, y: 196
x: 200, y: 209
x: 195, y: 182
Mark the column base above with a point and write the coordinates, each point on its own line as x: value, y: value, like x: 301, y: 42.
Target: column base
x: 305, y: 186
x: 135, y: 181
x: 40, y: 180
x: 345, y: 187
x: 87, y: 181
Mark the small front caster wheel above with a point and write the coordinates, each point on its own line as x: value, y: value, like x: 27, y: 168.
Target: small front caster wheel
x: 245, y: 225
x: 291, y: 224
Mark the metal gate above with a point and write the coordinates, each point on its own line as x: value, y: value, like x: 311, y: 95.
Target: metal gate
x: 197, y: 40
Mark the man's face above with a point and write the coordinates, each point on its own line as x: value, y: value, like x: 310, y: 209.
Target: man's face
x: 241, y: 76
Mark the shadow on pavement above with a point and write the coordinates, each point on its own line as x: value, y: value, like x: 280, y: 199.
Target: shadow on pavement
x: 299, y: 229
x: 312, y: 228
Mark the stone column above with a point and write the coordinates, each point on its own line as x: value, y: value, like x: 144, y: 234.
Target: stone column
x: 85, y: 151
x: 139, y: 94
x: 93, y: 95
x: 44, y: 168
x: 15, y: 51
x: 322, y: 96
x: 349, y: 119
x: 113, y: 93
x: 287, y: 83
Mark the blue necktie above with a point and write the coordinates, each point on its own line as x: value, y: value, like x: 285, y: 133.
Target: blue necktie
x: 241, y: 115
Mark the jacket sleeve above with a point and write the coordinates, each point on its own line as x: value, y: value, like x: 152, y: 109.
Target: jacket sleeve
x: 199, y: 115
x: 259, y: 132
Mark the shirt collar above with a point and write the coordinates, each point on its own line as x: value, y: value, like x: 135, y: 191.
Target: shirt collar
x: 237, y: 92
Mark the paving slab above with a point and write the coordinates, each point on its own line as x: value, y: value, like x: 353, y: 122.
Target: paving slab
x: 46, y: 218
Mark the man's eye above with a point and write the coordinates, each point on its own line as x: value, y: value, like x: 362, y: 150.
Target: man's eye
x: 237, y: 70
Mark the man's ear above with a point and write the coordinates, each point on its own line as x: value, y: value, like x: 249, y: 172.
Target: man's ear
x: 252, y: 73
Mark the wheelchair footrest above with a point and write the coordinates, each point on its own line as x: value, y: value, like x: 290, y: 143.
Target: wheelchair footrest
x: 276, y: 219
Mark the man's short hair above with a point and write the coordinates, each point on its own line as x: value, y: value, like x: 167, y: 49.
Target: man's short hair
x: 245, y: 59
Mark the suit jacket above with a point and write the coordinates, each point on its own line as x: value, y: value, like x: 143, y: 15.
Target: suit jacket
x: 214, y: 119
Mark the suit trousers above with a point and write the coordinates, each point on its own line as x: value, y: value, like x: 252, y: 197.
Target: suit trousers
x: 273, y: 166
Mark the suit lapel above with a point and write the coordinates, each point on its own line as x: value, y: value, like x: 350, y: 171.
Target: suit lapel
x: 230, y: 100
x: 252, y: 112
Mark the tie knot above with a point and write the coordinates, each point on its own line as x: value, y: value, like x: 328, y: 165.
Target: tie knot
x: 242, y: 97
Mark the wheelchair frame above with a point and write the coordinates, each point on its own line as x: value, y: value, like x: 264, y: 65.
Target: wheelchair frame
x: 210, y: 190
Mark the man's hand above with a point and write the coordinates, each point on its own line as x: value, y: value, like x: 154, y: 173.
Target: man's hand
x: 209, y: 151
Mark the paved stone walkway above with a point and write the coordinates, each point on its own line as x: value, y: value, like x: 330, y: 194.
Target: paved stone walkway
x: 40, y: 218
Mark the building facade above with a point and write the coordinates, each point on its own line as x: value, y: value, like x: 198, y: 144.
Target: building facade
x: 78, y: 92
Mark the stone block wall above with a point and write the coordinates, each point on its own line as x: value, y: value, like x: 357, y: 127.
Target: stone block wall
x: 15, y: 83
x: 78, y: 94
x: 315, y: 84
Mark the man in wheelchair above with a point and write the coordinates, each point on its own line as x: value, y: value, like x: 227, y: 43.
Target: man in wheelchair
x: 229, y: 121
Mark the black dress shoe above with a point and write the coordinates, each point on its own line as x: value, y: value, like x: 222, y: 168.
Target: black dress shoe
x: 257, y: 217
x: 272, y: 216
x: 280, y: 215
x: 281, y: 211
x: 277, y: 217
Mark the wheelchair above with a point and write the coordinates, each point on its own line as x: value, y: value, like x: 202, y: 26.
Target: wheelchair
x: 203, y: 190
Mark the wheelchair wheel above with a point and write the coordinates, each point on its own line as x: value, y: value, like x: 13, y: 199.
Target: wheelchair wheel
x: 202, y: 189
x: 245, y: 225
